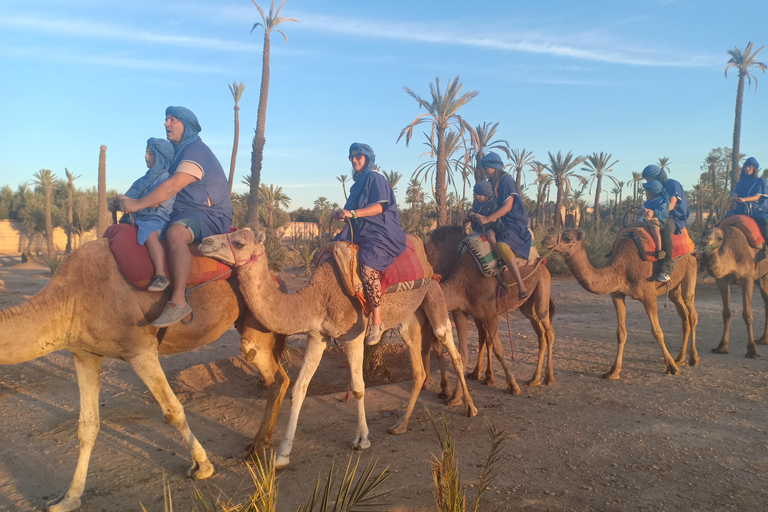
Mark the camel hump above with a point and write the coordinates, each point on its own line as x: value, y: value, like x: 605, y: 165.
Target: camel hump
x: 748, y: 226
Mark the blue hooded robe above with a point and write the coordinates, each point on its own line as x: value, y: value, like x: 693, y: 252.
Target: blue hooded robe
x: 380, y: 237
x: 751, y: 185
x: 515, y: 222
x: 660, y: 204
x: 680, y: 213
x: 150, y: 220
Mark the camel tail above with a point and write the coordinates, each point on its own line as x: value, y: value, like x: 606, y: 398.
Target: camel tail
x: 551, y: 310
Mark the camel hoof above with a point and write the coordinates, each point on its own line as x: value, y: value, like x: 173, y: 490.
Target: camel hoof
x: 63, y: 504
x: 200, y: 470
x: 762, y: 341
x: 472, y: 375
x: 361, y: 444
x: 282, y: 462
x: 694, y: 361
x: 444, y: 394
x: 398, y: 429
x: 471, y: 411
x: 611, y: 376
x: 719, y: 350
x: 514, y: 389
x: 456, y: 400
x: 489, y: 381
x: 533, y: 382
x: 752, y: 355
x: 672, y: 369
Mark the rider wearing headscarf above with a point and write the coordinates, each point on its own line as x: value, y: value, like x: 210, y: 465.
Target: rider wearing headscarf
x: 678, y: 215
x: 750, y: 195
x: 659, y: 204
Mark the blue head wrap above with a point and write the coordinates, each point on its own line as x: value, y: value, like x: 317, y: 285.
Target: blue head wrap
x: 751, y: 161
x: 660, y: 204
x: 484, y: 188
x: 654, y: 187
x: 492, y: 160
x: 655, y: 172
x: 748, y: 183
x: 163, y: 151
x: 370, y: 158
x: 191, y: 130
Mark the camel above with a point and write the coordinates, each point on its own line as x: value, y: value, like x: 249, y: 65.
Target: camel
x: 468, y: 293
x: 628, y: 275
x: 729, y: 257
x: 89, y: 309
x: 324, y: 311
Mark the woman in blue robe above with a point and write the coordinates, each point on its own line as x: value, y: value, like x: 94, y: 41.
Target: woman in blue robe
x: 376, y: 229
x: 750, y: 196
x: 514, y: 239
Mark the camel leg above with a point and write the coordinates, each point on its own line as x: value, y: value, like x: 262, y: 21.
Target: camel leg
x: 725, y: 294
x: 355, y: 350
x: 410, y: 330
x: 676, y: 296
x: 429, y: 344
x: 538, y: 327
x: 435, y: 309
x: 88, y: 369
x: 277, y: 381
x: 492, y: 333
x: 543, y: 312
x: 147, y: 367
x: 688, y: 289
x: 764, y: 294
x: 747, y: 288
x: 621, y: 335
x: 651, y: 307
x: 484, y: 338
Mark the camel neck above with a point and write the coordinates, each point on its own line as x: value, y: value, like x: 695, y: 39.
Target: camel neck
x: 595, y: 280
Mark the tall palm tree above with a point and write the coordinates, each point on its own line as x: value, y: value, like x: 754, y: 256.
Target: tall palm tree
x: 46, y: 180
x: 103, y: 212
x: 482, y: 142
x: 745, y: 61
x: 343, y: 180
x: 393, y: 177
x: 597, y: 165
x: 273, y: 197
x: 520, y: 158
x: 711, y: 163
x: 637, y: 178
x: 441, y: 114
x: 70, y: 206
x: 664, y: 164
x: 237, y: 90
x: 542, y: 181
x: 452, y: 144
x: 562, y: 169
x: 269, y: 23
x: 701, y: 190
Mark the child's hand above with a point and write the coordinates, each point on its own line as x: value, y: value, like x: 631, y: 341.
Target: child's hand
x: 648, y: 214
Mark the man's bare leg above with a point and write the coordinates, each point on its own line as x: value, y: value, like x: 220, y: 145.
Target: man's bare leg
x: 179, y: 238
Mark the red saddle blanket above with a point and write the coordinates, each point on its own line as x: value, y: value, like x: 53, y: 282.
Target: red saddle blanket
x: 681, y: 244
x: 133, y: 259
x: 747, y: 225
x: 410, y: 266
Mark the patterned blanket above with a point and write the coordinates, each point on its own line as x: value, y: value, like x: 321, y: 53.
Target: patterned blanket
x: 487, y: 260
x: 681, y: 244
x: 134, y: 263
x: 748, y: 226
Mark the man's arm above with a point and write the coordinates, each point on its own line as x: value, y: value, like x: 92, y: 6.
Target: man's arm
x: 163, y: 192
x: 672, y: 203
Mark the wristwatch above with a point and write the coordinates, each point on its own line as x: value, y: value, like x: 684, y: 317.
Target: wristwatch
x: 354, y: 213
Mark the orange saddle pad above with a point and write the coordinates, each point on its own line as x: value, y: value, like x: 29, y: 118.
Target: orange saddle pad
x: 681, y: 244
x: 747, y: 225
x: 133, y: 259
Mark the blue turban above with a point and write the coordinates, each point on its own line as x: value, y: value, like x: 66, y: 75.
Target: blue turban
x: 366, y: 150
x: 654, y: 186
x: 191, y: 130
x: 651, y: 171
x: 751, y: 161
x: 163, y: 151
x: 484, y: 188
x: 492, y: 160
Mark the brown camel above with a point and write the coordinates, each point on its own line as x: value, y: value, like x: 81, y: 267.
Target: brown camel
x: 89, y: 309
x: 467, y: 292
x: 729, y: 258
x: 628, y: 275
x: 324, y: 311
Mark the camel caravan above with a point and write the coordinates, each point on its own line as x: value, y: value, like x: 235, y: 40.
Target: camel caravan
x: 101, y: 301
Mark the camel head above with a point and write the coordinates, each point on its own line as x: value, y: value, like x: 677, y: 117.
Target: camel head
x: 563, y: 242
x: 711, y: 240
x: 234, y: 249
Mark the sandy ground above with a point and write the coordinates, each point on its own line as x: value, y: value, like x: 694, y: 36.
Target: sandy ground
x: 650, y: 441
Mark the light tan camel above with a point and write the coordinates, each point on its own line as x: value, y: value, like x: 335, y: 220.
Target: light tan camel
x: 324, y: 311
x: 467, y: 292
x: 89, y: 309
x: 729, y: 258
x: 628, y: 275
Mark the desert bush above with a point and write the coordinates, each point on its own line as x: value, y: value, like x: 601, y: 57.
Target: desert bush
x: 53, y: 263
x: 277, y: 255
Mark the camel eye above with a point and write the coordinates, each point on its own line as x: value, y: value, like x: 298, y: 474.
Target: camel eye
x: 238, y: 245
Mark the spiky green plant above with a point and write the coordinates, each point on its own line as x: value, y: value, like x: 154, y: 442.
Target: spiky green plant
x: 53, y: 262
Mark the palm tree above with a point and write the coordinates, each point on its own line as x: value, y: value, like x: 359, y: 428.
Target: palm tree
x: 70, y: 206
x: 637, y: 177
x: 711, y: 164
x: 664, y: 164
x: 520, y: 158
x: 237, y: 90
x: 542, y: 182
x: 598, y: 164
x: 482, y: 143
x: 273, y: 197
x: 562, y: 169
x: 452, y: 143
x: 103, y: 213
x: 745, y: 62
x: 46, y: 179
x: 700, y: 190
x: 269, y: 23
x: 343, y: 180
x: 393, y: 177
x: 441, y: 113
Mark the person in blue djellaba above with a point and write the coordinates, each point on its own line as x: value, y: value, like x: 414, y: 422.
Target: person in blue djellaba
x: 376, y: 229
x: 749, y: 196
x: 678, y: 215
x: 152, y: 221
x: 655, y: 212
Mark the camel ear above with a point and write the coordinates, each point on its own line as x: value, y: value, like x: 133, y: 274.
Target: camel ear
x: 261, y: 237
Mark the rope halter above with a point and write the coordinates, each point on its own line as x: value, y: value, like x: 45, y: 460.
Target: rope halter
x: 239, y: 263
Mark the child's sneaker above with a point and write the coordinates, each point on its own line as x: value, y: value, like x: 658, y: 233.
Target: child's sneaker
x: 663, y: 277
x: 158, y: 284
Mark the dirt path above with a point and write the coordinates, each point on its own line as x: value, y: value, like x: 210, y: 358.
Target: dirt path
x: 650, y: 441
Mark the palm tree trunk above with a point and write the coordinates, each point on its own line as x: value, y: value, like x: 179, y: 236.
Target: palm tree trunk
x: 519, y: 178
x: 103, y: 214
x: 559, y: 221
x: 234, y: 148
x: 597, y: 204
x: 48, y: 223
x: 737, y: 130
x: 440, y: 183
x: 271, y: 222
x: 259, y: 140
x: 70, y: 214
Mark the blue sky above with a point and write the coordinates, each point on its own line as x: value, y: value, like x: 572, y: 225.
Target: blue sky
x: 640, y: 79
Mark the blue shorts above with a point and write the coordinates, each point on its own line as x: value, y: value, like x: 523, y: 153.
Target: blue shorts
x: 193, y: 226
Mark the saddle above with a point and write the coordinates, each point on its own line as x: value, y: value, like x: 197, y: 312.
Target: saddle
x: 682, y: 244
x: 409, y: 271
x: 488, y: 262
x: 136, y: 266
x: 748, y: 226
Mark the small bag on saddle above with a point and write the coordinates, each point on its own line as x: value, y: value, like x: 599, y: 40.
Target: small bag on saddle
x: 748, y: 226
